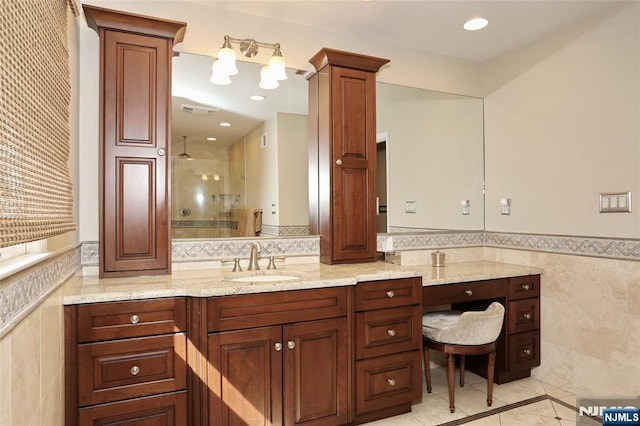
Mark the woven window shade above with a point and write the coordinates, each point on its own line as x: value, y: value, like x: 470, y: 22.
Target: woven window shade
x: 36, y: 200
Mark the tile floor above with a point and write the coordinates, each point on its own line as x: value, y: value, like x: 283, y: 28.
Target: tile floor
x: 525, y: 402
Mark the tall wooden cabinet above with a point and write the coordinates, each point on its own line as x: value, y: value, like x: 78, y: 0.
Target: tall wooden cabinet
x: 342, y: 155
x: 135, y: 111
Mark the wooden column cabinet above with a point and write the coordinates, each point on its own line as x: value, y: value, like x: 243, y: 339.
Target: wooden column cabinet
x: 342, y: 155
x: 135, y: 111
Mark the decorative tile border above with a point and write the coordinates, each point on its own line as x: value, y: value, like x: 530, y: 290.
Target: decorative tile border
x: 611, y: 248
x: 288, y: 231
x: 191, y: 250
x: 23, y: 292
x: 398, y: 242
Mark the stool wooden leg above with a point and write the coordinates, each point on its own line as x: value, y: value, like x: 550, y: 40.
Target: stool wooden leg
x: 451, y: 366
x: 461, y: 370
x: 427, y: 368
x: 490, y: 372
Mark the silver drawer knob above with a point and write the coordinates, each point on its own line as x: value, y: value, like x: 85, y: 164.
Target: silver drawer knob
x: 339, y: 162
x: 526, y: 351
x: 278, y: 346
x: 468, y: 292
x: 526, y: 316
x: 391, y: 332
x: 135, y: 370
x: 161, y: 152
x: 391, y: 382
x: 134, y: 319
x: 526, y: 287
x: 390, y: 294
x: 291, y: 344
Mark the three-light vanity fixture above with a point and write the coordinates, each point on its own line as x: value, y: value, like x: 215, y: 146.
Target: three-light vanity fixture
x: 225, y: 65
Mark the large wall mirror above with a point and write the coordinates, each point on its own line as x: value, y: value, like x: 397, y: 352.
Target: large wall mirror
x: 252, y: 179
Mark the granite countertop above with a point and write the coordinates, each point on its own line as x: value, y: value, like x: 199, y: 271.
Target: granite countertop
x: 219, y: 282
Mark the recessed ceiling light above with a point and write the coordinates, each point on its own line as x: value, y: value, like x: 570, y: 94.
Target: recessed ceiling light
x: 211, y: 139
x: 475, y: 24
x: 225, y: 124
x: 257, y: 97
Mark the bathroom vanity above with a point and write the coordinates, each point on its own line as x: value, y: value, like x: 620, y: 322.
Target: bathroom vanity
x: 337, y: 345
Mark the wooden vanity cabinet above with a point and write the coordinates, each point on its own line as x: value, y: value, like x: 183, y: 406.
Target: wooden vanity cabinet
x: 342, y: 155
x: 279, y: 358
x: 388, y: 341
x: 135, y: 124
x: 125, y: 363
x: 519, y: 342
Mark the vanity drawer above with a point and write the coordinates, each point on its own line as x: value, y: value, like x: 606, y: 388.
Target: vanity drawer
x: 169, y: 410
x: 282, y: 307
x: 119, y: 320
x: 523, y: 315
x: 112, y: 371
x: 524, y: 287
x: 464, y: 292
x: 388, y: 381
x: 387, y: 331
x: 524, y: 350
x: 388, y: 293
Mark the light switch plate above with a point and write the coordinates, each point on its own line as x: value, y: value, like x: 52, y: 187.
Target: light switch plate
x: 409, y: 206
x: 615, y: 202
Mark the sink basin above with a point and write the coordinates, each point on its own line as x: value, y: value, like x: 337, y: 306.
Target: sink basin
x: 265, y: 278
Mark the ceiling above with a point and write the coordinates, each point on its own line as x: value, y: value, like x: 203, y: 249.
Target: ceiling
x: 430, y: 26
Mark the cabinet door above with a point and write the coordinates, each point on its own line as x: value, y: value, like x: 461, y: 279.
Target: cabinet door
x: 315, y: 365
x: 135, y: 111
x: 245, y: 377
x: 353, y: 165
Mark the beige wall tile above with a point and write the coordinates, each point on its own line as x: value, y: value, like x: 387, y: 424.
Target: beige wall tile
x: 52, y: 412
x: 5, y: 380
x: 25, y: 370
x: 51, y: 343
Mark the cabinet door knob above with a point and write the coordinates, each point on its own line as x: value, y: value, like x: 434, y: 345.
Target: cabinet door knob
x: 391, y: 332
x: 278, y: 346
x: 135, y: 370
x: 291, y: 344
x: 468, y: 292
x: 391, y: 382
x: 526, y: 351
x: 339, y: 162
x: 390, y: 294
x: 161, y: 152
x: 134, y: 319
x: 526, y: 287
x: 526, y: 315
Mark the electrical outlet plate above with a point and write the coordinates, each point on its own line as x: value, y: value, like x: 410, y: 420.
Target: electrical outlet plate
x: 466, y: 207
x: 615, y: 202
x: 505, y: 206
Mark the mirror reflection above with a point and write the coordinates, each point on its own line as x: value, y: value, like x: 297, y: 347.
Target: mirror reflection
x: 252, y: 179
x: 239, y: 166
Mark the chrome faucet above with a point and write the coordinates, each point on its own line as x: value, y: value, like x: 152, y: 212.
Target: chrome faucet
x: 253, y: 259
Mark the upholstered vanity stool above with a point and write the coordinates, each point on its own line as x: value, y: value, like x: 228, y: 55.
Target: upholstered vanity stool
x: 462, y: 333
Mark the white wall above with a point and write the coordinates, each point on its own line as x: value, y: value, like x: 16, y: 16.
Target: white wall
x: 562, y: 125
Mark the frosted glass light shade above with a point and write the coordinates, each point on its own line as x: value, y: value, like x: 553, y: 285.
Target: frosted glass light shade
x: 267, y: 81
x: 218, y: 76
x: 277, y: 67
x: 227, y: 61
